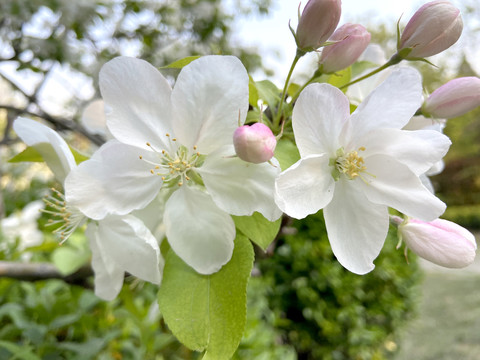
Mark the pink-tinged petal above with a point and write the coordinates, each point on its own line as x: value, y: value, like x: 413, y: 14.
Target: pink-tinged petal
x: 241, y: 188
x: 209, y: 97
x: 108, y: 275
x: 440, y: 241
x: 306, y: 187
x: 390, y: 105
x: 49, y: 144
x: 356, y: 228
x: 389, y: 182
x: 318, y: 117
x: 137, y: 102
x: 198, y: 231
x: 114, y: 181
x: 419, y: 150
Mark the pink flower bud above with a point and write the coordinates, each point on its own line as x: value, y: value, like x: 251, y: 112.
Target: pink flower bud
x: 318, y: 21
x: 454, y: 98
x: 435, y: 27
x: 440, y: 241
x: 255, y: 143
x: 351, y: 42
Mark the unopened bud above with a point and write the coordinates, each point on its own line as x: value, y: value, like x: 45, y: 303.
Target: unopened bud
x: 351, y: 40
x: 318, y: 21
x: 440, y: 241
x: 435, y: 27
x: 254, y: 143
x: 454, y: 98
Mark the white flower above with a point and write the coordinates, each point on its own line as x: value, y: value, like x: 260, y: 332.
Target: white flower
x: 23, y: 224
x: 355, y: 167
x: 118, y: 244
x: 180, y: 139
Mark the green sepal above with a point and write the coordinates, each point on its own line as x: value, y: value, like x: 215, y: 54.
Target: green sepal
x: 30, y: 154
x: 258, y: 229
x: 208, y: 312
x: 179, y: 64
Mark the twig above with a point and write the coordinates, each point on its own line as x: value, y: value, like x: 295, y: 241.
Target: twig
x: 43, y: 271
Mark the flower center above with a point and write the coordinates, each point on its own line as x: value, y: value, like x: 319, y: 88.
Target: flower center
x: 350, y: 164
x: 68, y: 217
x: 177, y: 167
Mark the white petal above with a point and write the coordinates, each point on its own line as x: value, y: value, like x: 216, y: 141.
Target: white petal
x: 210, y: 95
x: 391, y: 105
x: 131, y: 246
x: 198, y: 231
x: 318, y: 117
x: 49, y: 144
x: 394, y: 184
x: 419, y: 149
x: 306, y: 187
x: 108, y: 275
x: 356, y: 228
x: 113, y: 181
x: 137, y: 99
x: 241, y: 188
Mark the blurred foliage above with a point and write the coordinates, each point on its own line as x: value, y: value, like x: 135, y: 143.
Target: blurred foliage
x: 326, y: 312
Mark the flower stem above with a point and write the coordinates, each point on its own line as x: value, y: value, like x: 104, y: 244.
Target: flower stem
x: 395, y: 59
x: 276, y: 121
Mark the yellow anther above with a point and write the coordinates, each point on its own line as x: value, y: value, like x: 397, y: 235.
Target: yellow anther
x: 148, y: 144
x: 157, y: 167
x: 187, y: 178
x: 180, y: 183
x: 140, y: 157
x: 167, y: 134
x: 194, y: 147
x: 153, y: 172
x: 174, y: 139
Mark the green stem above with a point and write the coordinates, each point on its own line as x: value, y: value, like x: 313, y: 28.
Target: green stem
x: 278, y: 116
x: 315, y: 76
x: 395, y: 59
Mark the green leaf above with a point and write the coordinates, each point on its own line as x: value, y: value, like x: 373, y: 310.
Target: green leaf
x: 293, y: 89
x: 286, y: 153
x: 207, y: 312
x: 20, y: 352
x: 181, y: 63
x: 252, y: 93
x: 253, y: 116
x: 69, y: 259
x: 30, y: 154
x: 79, y: 157
x: 258, y: 229
x: 268, y: 92
x: 341, y: 77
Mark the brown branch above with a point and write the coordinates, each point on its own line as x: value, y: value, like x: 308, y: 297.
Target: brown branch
x: 44, y: 271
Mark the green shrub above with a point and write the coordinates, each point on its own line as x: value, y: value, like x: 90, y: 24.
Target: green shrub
x: 327, y: 312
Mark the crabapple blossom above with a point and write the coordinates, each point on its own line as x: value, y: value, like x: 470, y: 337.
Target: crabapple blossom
x: 318, y: 21
x: 435, y: 27
x: 179, y: 139
x: 350, y: 41
x: 254, y: 143
x: 441, y: 242
x: 455, y: 98
x: 356, y: 166
x: 119, y: 244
